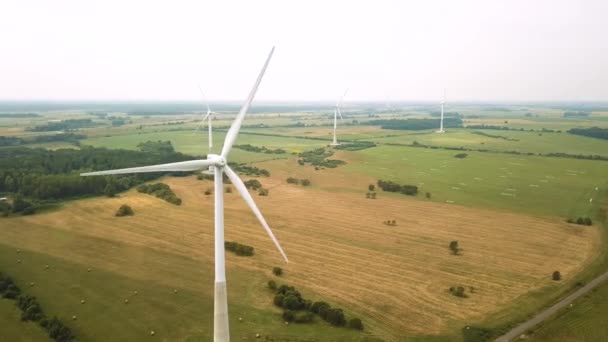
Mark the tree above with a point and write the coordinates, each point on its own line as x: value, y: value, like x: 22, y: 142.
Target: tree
x: 428, y: 195
x: 371, y: 187
x: 208, y: 191
x: 556, y: 276
x: 305, y: 182
x: 272, y: 285
x: 355, y: 323
x: 228, y: 190
x: 580, y: 221
x: 454, y: 247
x: 277, y: 271
x: 291, y: 302
x: 19, y: 204
x: 373, y: 195
x: 110, y: 190
x: 278, y: 300
x: 587, y: 221
x: 124, y: 210
x: 336, y: 317
x: 288, y: 316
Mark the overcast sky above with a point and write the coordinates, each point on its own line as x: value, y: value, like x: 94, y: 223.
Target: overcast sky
x: 381, y: 50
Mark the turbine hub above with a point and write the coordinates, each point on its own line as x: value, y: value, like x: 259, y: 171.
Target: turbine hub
x: 219, y: 160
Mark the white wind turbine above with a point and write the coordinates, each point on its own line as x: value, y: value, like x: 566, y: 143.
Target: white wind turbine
x: 219, y: 165
x: 210, y: 115
x: 336, y: 113
x: 441, y: 121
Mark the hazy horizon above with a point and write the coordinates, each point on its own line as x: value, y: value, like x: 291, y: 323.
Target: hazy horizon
x: 385, y: 51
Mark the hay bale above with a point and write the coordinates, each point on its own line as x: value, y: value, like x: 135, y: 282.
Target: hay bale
x: 82, y: 301
x: 152, y: 333
x: 257, y: 336
x: 135, y: 292
x: 88, y: 270
x: 126, y: 301
x: 18, y: 261
x: 74, y: 318
x: 174, y: 291
x: 32, y: 284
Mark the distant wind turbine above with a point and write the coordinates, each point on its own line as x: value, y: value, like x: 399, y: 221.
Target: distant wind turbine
x: 336, y: 113
x: 210, y: 115
x: 220, y: 166
x: 441, y: 121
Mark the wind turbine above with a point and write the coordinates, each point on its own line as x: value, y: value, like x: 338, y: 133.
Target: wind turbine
x: 441, y: 121
x: 336, y: 113
x: 210, y: 115
x: 220, y: 166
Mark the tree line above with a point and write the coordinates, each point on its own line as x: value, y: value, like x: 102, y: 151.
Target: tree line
x: 43, y: 175
x: 593, y: 132
x: 31, y: 310
x: 410, y: 190
x: 71, y: 138
x: 300, y: 310
x: 239, y: 248
x: 160, y: 190
x: 415, y: 124
x: 263, y: 149
x: 63, y: 125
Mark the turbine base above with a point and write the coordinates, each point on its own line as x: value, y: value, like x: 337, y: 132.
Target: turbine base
x: 221, y: 331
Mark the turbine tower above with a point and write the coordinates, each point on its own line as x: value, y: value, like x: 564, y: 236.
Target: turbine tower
x: 441, y: 121
x: 220, y: 166
x: 336, y: 113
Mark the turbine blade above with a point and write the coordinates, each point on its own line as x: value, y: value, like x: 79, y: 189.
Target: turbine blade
x: 204, y: 99
x: 191, y: 165
x: 236, y: 125
x: 340, y: 113
x: 339, y: 103
x: 206, y: 116
x: 240, y: 186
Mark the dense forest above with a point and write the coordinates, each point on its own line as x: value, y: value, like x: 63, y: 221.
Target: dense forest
x: 40, y: 174
x: 416, y: 124
x: 594, y: 132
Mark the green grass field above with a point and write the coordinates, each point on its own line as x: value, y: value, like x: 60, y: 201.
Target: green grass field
x: 584, y: 321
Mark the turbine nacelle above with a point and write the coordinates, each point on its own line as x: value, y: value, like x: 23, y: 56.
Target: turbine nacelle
x: 217, y: 160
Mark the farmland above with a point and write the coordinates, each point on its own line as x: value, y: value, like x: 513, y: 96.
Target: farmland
x: 508, y: 212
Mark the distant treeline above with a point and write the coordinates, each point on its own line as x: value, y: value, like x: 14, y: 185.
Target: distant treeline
x: 594, y: 132
x: 67, y: 137
x: 257, y: 149
x: 63, y: 125
x: 19, y: 115
x: 576, y: 114
x: 41, y: 174
x: 415, y: 124
x: 494, y: 136
x: 446, y: 114
x: 355, y: 145
x: 505, y: 128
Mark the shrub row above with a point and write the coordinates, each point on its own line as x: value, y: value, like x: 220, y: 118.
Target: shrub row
x: 263, y: 149
x: 32, y: 311
x: 238, y: 248
x: 160, y: 190
x: 410, y: 190
x: 318, y: 158
x: 300, y: 310
x: 583, y: 221
x: 303, y: 182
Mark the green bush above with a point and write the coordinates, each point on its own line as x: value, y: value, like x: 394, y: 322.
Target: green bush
x: 239, y: 249
x: 124, y: 210
x: 355, y: 323
x: 277, y: 271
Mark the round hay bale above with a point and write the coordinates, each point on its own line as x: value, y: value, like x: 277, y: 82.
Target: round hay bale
x: 18, y: 251
x: 18, y: 261
x: 74, y: 318
x: 240, y: 319
x: 152, y: 333
x: 174, y: 291
x: 46, y: 267
x: 82, y: 301
x: 32, y: 284
x: 88, y: 270
x: 126, y: 301
x: 135, y: 292
x: 257, y: 336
